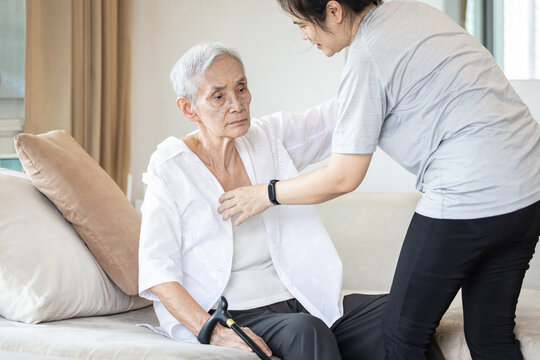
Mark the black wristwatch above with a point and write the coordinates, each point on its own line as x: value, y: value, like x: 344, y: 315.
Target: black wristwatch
x: 272, y: 192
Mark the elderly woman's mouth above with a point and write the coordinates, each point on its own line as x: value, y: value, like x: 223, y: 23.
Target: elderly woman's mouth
x: 237, y: 122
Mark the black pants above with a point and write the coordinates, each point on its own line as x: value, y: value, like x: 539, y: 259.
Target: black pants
x: 292, y: 333
x: 486, y: 258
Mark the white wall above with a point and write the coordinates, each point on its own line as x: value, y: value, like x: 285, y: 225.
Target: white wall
x: 529, y: 91
x: 284, y: 72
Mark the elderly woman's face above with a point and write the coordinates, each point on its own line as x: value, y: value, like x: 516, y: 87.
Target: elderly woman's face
x: 223, y: 99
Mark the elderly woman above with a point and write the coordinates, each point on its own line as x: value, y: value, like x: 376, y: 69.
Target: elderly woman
x: 279, y: 271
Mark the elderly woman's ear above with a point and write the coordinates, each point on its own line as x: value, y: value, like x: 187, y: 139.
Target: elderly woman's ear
x: 187, y: 108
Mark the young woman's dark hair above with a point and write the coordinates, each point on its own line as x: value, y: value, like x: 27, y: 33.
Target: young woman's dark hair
x: 314, y: 11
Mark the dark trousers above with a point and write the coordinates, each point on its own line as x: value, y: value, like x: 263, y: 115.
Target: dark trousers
x: 292, y: 333
x: 486, y: 258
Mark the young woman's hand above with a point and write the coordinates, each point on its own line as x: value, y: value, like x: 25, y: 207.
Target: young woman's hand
x: 342, y: 175
x: 222, y: 336
x: 246, y: 201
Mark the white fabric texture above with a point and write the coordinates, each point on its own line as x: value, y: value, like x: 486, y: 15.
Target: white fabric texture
x: 253, y: 282
x: 112, y: 337
x: 46, y: 271
x: 433, y: 98
x: 184, y: 238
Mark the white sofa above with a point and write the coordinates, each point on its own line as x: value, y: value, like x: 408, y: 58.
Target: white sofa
x: 367, y: 230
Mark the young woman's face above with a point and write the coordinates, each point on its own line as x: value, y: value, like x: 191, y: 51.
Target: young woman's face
x: 337, y: 32
x: 325, y: 40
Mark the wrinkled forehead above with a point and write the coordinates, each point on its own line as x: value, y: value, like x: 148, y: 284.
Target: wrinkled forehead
x: 225, y: 71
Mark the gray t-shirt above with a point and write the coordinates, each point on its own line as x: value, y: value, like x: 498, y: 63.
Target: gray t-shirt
x: 426, y: 92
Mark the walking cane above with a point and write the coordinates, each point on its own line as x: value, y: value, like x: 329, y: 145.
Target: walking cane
x: 222, y: 316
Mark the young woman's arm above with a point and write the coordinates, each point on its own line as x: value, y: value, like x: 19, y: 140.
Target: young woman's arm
x: 342, y: 175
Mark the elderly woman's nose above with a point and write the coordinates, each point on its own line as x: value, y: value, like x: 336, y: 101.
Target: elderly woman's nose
x: 235, y: 103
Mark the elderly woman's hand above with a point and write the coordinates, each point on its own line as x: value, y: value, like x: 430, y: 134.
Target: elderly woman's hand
x: 246, y: 200
x: 226, y: 337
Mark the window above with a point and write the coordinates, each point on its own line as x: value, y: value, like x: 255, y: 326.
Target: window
x: 521, y: 39
x: 510, y: 29
x: 12, y: 45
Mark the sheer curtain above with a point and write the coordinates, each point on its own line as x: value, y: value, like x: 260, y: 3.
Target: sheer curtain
x: 77, y: 76
x: 463, y: 13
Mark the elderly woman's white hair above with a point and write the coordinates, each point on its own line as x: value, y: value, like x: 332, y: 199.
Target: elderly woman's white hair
x: 192, y: 65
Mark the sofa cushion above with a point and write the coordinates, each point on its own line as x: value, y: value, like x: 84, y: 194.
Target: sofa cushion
x: 87, y: 197
x: 46, y: 271
x: 368, y: 230
x: 113, y: 337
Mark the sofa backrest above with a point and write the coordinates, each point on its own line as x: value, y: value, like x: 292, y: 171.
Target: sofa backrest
x: 368, y: 230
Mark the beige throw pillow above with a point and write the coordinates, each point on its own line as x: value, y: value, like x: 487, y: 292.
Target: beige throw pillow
x: 88, y: 198
x: 46, y: 271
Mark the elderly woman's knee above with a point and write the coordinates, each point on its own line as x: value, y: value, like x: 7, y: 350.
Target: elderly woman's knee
x: 307, y: 337
x: 308, y: 327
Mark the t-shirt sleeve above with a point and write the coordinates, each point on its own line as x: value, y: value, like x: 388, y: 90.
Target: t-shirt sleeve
x: 160, y: 239
x: 362, y: 106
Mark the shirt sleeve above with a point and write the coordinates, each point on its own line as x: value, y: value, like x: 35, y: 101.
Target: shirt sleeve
x: 306, y: 136
x: 160, y: 239
x: 362, y: 105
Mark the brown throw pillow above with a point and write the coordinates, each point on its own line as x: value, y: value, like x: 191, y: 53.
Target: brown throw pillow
x: 88, y: 198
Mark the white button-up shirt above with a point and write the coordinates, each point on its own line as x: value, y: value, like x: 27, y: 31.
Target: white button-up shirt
x: 184, y: 238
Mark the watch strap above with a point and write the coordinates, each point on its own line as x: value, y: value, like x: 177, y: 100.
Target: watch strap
x: 272, y: 192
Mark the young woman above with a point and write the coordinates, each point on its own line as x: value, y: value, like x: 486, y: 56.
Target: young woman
x: 425, y: 91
